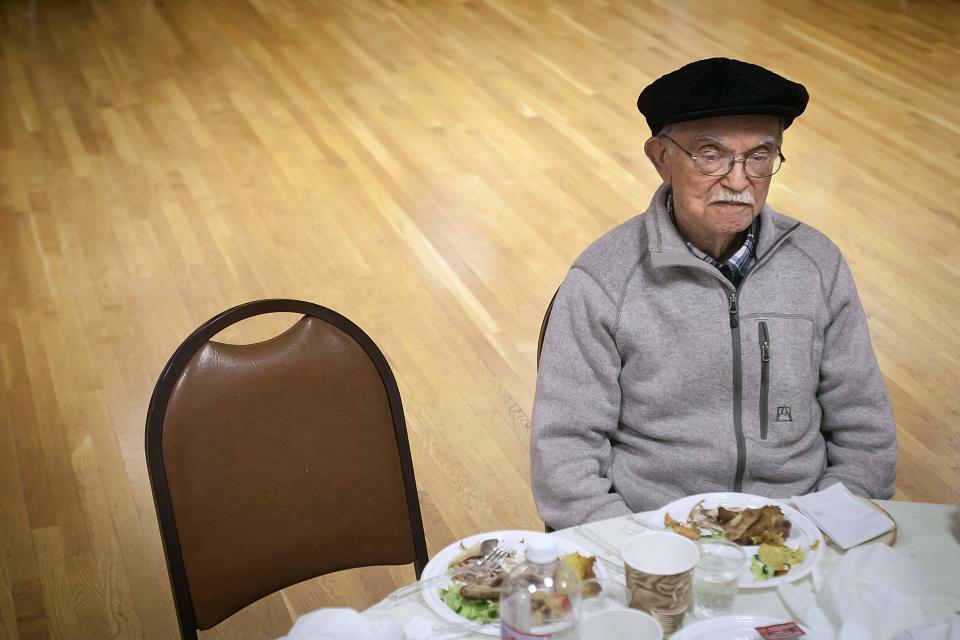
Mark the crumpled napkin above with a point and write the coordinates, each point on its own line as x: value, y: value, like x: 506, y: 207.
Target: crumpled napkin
x: 873, y: 593
x: 347, y: 624
x: 419, y: 628
x: 841, y: 515
x: 342, y: 624
x: 943, y: 631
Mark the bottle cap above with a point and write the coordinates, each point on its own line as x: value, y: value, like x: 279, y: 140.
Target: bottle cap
x: 541, y: 548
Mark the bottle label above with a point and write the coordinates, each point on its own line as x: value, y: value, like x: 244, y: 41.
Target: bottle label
x: 509, y: 633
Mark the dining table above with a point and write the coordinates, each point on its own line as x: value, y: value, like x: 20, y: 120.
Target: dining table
x: 927, y: 534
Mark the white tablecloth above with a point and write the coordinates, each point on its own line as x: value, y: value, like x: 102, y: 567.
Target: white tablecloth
x: 929, y: 534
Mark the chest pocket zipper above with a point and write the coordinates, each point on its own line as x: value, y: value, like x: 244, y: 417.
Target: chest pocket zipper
x: 764, y: 378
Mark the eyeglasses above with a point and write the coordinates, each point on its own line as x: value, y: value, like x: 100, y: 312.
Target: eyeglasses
x: 759, y: 164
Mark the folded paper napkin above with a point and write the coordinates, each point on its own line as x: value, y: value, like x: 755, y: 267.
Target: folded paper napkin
x: 873, y: 593
x: 843, y: 516
x: 342, y: 624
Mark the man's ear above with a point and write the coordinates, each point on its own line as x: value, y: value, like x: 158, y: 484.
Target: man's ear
x: 656, y: 150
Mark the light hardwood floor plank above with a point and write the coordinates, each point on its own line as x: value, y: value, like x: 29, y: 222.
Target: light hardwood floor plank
x: 431, y: 170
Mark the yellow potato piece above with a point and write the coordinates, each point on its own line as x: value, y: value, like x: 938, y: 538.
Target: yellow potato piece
x: 779, y: 557
x: 581, y: 565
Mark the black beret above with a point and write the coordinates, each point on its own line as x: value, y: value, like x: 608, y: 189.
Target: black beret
x: 720, y: 87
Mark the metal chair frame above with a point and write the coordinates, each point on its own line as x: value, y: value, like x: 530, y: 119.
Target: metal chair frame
x: 154, y: 436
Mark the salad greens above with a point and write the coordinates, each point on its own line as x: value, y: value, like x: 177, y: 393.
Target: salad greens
x: 481, y: 610
x: 759, y: 570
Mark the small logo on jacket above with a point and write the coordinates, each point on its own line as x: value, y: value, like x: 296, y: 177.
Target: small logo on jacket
x: 783, y: 414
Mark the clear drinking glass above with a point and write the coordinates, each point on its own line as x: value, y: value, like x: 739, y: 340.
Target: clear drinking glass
x: 605, y: 613
x: 715, y: 578
x: 602, y: 594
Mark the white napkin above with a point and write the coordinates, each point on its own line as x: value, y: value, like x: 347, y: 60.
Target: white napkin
x: 842, y: 516
x: 873, y: 593
x: 944, y: 631
x: 342, y: 624
x: 419, y: 628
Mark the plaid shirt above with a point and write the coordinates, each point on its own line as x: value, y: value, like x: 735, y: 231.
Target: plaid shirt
x: 736, y: 266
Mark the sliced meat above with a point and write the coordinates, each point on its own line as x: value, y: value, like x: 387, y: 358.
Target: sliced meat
x: 705, y: 519
x: 725, y: 515
x: 783, y: 527
x: 772, y: 521
x: 767, y: 520
x: 480, y: 592
x: 752, y: 526
x: 684, y: 530
x: 736, y: 527
x: 491, y: 578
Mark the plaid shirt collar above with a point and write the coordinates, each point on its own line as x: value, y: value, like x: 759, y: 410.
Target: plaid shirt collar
x: 735, y: 267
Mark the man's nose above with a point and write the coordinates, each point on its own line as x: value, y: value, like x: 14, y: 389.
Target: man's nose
x: 736, y: 178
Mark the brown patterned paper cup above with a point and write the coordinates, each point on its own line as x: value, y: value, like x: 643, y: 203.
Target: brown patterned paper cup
x: 659, y: 568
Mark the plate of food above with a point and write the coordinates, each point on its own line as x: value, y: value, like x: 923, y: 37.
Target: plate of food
x: 472, y: 598
x: 783, y: 544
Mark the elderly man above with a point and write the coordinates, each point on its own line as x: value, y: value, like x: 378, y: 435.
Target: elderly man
x: 711, y: 343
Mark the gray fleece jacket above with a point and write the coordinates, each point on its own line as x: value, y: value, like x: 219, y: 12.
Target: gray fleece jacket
x: 659, y: 380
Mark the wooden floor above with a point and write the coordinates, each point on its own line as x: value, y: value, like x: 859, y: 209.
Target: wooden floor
x: 430, y: 169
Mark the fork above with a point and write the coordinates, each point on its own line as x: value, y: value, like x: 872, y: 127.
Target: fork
x: 489, y: 561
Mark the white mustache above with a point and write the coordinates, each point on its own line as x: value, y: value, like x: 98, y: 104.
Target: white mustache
x: 728, y: 195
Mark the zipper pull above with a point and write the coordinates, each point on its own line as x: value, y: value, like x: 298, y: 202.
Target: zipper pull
x: 734, y: 310
x: 764, y: 343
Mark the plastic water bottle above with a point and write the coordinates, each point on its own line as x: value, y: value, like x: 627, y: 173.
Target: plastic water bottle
x: 540, y: 599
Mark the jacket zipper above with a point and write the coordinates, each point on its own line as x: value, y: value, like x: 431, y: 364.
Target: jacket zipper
x: 734, y: 312
x: 764, y: 377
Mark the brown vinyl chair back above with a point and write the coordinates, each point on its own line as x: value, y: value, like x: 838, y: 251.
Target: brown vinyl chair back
x: 543, y: 332
x: 543, y: 326
x: 279, y: 461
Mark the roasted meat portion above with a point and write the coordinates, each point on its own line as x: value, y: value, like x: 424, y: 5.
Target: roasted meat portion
x: 743, y: 526
x: 725, y: 515
x: 753, y: 526
x: 485, y: 586
x: 478, y: 585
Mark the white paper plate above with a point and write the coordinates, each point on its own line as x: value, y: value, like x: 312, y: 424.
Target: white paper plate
x: 726, y: 628
x: 438, y: 566
x: 802, y: 532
